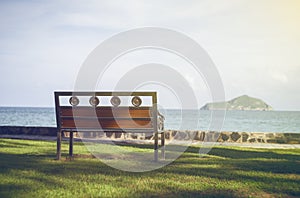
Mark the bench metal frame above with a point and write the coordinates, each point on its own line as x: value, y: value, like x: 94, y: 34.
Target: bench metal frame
x: 156, y: 119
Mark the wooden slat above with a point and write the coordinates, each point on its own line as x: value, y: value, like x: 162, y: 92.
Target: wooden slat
x: 120, y: 112
x: 115, y: 130
x: 106, y: 123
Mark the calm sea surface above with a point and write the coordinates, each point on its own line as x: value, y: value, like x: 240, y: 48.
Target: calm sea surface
x: 250, y: 121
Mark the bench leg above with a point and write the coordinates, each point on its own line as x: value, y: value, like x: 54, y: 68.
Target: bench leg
x: 71, y: 144
x: 58, y: 146
x: 163, y: 145
x: 156, y: 146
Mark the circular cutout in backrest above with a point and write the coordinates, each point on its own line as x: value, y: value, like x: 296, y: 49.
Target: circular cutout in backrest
x: 115, y: 101
x: 74, y: 101
x: 94, y: 101
x: 136, y: 101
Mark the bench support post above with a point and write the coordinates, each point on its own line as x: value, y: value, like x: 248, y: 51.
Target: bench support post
x: 156, y: 146
x: 58, y: 145
x: 71, y: 144
x: 163, y: 145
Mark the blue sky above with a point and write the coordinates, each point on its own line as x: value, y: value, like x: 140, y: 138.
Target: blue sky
x: 254, y: 44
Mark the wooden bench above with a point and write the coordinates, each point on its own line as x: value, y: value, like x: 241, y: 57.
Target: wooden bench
x: 93, y: 116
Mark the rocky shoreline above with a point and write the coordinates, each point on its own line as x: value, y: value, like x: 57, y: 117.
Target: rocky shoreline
x: 201, y: 136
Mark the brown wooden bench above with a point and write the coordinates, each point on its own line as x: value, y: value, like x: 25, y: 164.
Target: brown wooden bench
x: 93, y: 116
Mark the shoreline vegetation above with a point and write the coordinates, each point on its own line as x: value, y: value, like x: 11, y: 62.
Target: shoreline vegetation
x: 28, y: 169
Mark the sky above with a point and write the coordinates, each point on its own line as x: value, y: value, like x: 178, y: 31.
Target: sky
x: 255, y: 45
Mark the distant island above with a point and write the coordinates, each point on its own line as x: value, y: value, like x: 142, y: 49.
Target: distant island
x: 240, y: 103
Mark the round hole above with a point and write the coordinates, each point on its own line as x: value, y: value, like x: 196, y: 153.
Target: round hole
x: 136, y: 101
x: 94, y: 101
x: 74, y: 101
x: 115, y: 101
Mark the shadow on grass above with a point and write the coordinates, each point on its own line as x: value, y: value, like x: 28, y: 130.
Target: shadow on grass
x: 252, y: 171
x: 241, y: 154
x: 7, y: 189
x: 10, y: 144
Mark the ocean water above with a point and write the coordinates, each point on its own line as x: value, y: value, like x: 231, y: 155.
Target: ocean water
x: 248, y: 121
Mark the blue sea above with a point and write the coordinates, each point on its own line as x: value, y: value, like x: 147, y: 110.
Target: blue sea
x: 248, y: 121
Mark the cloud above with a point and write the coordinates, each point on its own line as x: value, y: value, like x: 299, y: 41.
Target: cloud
x: 279, y: 77
x: 254, y: 44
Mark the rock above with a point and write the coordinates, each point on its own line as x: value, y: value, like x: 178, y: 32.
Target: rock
x: 235, y: 136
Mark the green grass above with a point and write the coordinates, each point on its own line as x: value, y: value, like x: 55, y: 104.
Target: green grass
x: 28, y: 169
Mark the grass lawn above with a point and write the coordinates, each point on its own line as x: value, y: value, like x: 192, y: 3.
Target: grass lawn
x: 28, y: 169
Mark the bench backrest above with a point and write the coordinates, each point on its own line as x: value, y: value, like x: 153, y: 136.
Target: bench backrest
x: 105, y: 117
